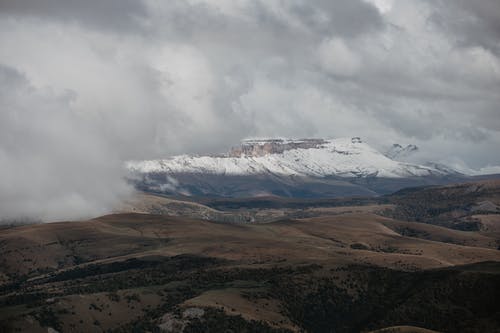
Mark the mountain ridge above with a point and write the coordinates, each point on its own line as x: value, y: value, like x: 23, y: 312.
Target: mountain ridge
x: 343, y: 157
x: 297, y: 168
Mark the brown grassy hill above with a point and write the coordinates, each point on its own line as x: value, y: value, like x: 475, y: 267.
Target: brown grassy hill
x: 451, y: 206
x: 141, y: 271
x: 315, y: 266
x: 353, y: 238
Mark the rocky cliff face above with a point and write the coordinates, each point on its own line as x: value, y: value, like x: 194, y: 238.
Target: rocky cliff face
x: 262, y: 147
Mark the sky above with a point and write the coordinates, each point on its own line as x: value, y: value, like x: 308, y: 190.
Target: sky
x: 87, y: 85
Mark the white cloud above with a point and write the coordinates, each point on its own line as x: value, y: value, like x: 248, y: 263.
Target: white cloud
x: 53, y: 165
x: 337, y: 58
x: 383, y: 6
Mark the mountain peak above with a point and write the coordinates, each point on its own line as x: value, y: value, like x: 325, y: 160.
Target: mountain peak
x: 398, y: 152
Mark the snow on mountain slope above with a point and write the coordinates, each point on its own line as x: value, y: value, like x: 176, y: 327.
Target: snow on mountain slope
x: 346, y: 157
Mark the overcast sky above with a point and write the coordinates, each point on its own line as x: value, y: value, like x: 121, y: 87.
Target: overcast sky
x: 85, y: 85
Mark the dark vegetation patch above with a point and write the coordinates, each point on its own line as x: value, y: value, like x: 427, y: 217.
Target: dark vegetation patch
x: 461, y: 299
x: 110, y: 277
x: 315, y: 298
x: 47, y: 318
x: 449, y: 300
x: 412, y: 232
x: 359, y: 246
x: 445, y: 206
x: 174, y: 264
x: 215, y: 321
x: 195, y: 284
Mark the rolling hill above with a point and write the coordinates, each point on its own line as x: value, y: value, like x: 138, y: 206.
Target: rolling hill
x: 344, y: 265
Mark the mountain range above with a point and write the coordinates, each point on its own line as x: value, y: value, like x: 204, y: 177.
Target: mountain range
x: 291, y: 168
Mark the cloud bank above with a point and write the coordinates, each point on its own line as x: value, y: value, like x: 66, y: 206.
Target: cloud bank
x: 86, y: 86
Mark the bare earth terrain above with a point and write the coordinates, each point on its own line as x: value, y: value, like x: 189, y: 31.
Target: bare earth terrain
x: 420, y: 260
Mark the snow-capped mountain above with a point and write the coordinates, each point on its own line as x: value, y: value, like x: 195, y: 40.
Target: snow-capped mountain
x: 301, y: 168
x: 345, y: 157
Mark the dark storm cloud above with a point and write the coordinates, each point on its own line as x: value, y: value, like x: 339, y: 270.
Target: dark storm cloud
x: 472, y: 22
x: 343, y: 17
x: 87, y: 85
x: 262, y: 26
x: 106, y: 14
